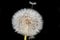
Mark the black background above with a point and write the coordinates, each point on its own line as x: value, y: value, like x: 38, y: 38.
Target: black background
x: 50, y: 11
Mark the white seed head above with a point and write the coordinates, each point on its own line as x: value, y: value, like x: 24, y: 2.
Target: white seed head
x: 27, y: 22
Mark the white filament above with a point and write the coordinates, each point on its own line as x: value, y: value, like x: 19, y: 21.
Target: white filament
x: 32, y: 3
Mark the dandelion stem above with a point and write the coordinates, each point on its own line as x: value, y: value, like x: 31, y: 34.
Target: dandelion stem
x: 25, y: 37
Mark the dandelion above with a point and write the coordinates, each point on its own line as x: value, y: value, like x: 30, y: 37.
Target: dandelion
x: 27, y: 22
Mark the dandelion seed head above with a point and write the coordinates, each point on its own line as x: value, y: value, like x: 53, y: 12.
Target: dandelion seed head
x: 27, y: 22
